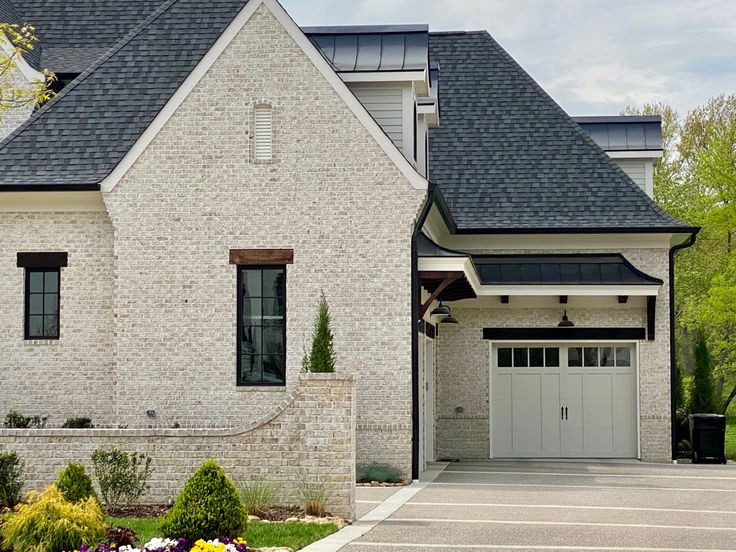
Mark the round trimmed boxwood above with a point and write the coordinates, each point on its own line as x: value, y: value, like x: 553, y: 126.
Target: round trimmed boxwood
x: 208, y: 507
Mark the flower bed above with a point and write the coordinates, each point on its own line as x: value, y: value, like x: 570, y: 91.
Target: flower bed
x: 175, y: 545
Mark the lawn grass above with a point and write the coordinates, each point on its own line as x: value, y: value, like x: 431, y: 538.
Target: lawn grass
x: 294, y: 535
x: 145, y: 528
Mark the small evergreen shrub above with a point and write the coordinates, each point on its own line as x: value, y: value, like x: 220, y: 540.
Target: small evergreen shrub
x: 122, y: 476
x: 11, y: 479
x: 16, y: 420
x: 208, y: 507
x: 48, y: 523
x: 321, y: 358
x: 78, y: 423
x: 257, y: 497
x: 378, y: 472
x: 75, y: 484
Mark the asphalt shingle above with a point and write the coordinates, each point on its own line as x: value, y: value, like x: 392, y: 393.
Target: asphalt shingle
x: 506, y: 157
x: 75, y: 140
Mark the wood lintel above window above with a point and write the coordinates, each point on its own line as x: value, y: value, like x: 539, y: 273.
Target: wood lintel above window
x: 261, y: 256
x: 42, y: 260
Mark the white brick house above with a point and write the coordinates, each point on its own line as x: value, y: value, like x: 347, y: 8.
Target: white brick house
x: 168, y: 221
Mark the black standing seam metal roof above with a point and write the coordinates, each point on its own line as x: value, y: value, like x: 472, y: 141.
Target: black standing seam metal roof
x: 76, y: 140
x: 583, y: 269
x: 362, y: 50
x: 624, y: 133
x: 508, y: 159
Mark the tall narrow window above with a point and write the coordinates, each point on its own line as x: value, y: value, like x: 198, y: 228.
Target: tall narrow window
x: 42, y: 303
x: 263, y: 134
x: 262, y: 325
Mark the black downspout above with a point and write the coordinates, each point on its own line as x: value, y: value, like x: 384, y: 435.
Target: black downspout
x: 415, y: 299
x: 673, y: 356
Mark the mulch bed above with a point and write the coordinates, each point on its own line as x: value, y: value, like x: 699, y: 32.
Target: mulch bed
x: 140, y: 511
x: 281, y: 513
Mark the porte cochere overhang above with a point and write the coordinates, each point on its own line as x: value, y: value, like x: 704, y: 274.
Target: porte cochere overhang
x: 449, y: 275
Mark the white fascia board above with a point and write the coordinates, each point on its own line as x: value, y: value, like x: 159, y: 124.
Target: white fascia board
x: 419, y: 78
x: 576, y: 290
x: 26, y: 70
x: 452, y: 264
x: 417, y: 180
x: 430, y: 114
x: 637, y: 154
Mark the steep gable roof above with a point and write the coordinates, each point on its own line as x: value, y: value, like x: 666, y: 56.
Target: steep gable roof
x: 507, y: 158
x: 87, y: 137
x: 75, y: 140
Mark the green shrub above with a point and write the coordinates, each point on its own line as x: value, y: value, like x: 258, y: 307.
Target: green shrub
x: 321, y: 358
x: 257, y: 497
x: 378, y: 472
x: 11, y: 479
x: 314, y: 498
x: 78, y: 423
x: 702, y: 394
x: 122, y: 476
x: 75, y: 484
x: 16, y: 420
x: 48, y: 523
x: 208, y: 507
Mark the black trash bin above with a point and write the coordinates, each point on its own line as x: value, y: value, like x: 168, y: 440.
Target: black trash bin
x: 707, y: 437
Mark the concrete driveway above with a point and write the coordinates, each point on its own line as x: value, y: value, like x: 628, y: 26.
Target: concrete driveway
x: 556, y: 506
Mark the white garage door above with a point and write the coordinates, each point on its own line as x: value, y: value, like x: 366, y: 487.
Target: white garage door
x: 564, y: 400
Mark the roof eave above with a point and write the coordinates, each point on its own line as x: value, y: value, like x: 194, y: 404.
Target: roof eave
x: 582, y: 230
x: 49, y: 188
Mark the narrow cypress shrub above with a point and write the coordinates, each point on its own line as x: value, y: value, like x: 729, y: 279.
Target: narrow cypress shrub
x: 702, y: 391
x: 322, y: 356
x: 75, y: 484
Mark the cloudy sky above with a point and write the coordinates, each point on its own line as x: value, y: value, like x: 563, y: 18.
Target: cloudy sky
x: 594, y: 56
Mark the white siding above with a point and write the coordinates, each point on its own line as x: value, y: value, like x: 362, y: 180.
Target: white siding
x: 640, y: 170
x: 385, y: 105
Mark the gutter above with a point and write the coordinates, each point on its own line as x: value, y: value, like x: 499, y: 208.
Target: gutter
x: 673, y: 399
x: 415, y: 298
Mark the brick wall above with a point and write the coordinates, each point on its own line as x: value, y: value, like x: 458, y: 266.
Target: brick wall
x: 463, y: 362
x: 309, y: 436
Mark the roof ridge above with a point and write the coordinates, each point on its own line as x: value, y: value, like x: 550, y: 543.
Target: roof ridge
x: 38, y: 115
x: 579, y: 130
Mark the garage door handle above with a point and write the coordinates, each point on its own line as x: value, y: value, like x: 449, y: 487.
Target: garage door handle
x: 562, y: 413
x: 566, y: 413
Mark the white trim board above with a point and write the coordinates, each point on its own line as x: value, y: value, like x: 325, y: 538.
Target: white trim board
x: 415, y: 179
x: 635, y: 154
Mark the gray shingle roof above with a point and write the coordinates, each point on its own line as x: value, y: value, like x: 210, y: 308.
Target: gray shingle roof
x: 74, y: 33
x: 507, y: 158
x: 75, y: 140
x: 9, y: 14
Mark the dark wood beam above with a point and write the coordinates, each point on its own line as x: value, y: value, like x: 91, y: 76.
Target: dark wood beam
x: 563, y: 299
x: 42, y: 260
x: 261, y: 256
x: 623, y: 299
x: 449, y: 278
x: 651, y: 312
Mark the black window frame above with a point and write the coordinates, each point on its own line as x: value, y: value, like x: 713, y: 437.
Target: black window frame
x: 241, y: 269
x: 27, y: 302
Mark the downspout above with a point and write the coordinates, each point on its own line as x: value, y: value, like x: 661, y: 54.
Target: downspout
x: 415, y: 299
x: 673, y: 398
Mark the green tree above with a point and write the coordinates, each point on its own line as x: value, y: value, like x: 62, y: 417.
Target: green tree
x: 14, y: 93
x: 701, y: 394
x: 321, y: 358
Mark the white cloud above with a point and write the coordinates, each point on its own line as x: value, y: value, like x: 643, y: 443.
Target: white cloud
x: 593, y: 56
